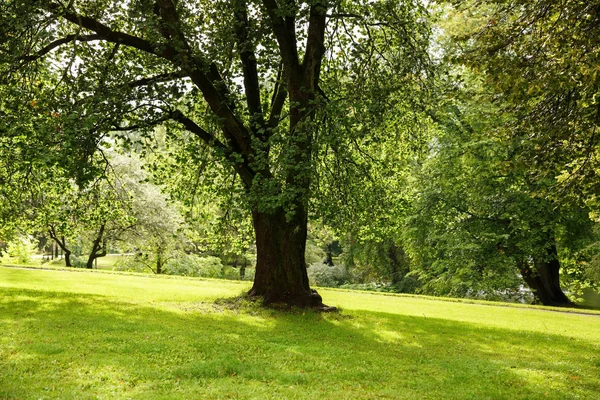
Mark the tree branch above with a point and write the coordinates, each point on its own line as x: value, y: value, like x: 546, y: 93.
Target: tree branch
x: 202, y: 73
x: 67, y: 39
x: 278, y: 100
x: 246, y: 51
x: 108, y: 34
x: 315, y: 47
x: 285, y: 32
x: 242, y: 168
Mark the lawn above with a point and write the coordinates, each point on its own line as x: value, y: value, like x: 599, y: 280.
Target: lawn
x: 90, y: 334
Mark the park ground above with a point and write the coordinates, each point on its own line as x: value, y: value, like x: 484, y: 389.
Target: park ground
x: 74, y: 334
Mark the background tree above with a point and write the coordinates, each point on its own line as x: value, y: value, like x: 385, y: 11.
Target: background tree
x: 156, y: 226
x: 481, y: 218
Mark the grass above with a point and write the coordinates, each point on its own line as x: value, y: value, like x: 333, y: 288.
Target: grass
x: 89, y: 334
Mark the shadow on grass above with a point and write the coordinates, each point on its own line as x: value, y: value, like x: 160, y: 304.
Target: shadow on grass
x: 64, y: 345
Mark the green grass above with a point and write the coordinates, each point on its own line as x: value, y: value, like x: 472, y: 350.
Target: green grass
x: 83, y: 334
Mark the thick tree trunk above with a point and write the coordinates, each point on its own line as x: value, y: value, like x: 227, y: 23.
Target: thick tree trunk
x: 398, y: 264
x: 544, y: 280
x: 280, y: 265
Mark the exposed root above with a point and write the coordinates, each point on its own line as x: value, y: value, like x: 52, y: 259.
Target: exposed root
x: 312, y: 300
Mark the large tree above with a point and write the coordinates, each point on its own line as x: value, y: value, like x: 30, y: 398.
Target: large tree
x: 253, y: 80
x: 530, y: 66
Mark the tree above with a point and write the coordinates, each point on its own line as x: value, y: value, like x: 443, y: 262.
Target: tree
x: 530, y: 67
x: 480, y: 219
x: 156, y: 226
x: 247, y: 78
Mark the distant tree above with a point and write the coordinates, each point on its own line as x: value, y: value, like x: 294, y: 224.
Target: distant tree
x: 156, y: 225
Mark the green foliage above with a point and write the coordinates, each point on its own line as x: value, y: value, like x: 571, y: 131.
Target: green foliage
x: 178, y: 264
x: 20, y: 250
x: 193, y: 265
x: 487, y: 205
x: 324, y: 275
x: 540, y: 61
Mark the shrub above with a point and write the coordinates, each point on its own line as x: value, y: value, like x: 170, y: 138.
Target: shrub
x: 20, y: 251
x: 132, y: 264
x: 194, y: 265
x: 324, y: 275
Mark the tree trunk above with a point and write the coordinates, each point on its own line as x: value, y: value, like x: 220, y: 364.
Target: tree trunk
x: 280, y: 264
x: 67, y: 258
x: 329, y: 256
x: 544, y: 280
x: 159, y: 261
x: 397, y: 262
x: 98, y: 248
x: 62, y: 243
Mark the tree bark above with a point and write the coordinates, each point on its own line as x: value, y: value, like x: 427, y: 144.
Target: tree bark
x: 98, y: 247
x: 544, y: 280
x: 280, y: 265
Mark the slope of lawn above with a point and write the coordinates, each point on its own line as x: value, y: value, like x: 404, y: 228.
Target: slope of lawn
x: 80, y: 335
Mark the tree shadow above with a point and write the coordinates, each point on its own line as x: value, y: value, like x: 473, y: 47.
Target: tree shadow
x: 64, y: 345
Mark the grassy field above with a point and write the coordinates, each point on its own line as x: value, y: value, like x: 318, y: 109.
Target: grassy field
x: 89, y: 334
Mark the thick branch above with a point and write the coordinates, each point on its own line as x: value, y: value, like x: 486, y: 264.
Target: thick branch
x: 195, y: 67
x: 285, y: 32
x: 202, y: 134
x: 278, y: 100
x: 108, y: 34
x: 315, y: 47
x: 242, y: 168
x: 206, y: 77
x: 246, y: 51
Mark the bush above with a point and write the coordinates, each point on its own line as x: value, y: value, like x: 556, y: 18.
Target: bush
x: 194, y: 265
x: 132, y: 264
x: 20, y: 251
x: 324, y: 275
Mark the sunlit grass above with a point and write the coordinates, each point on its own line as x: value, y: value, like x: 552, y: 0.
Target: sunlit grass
x: 80, y: 334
